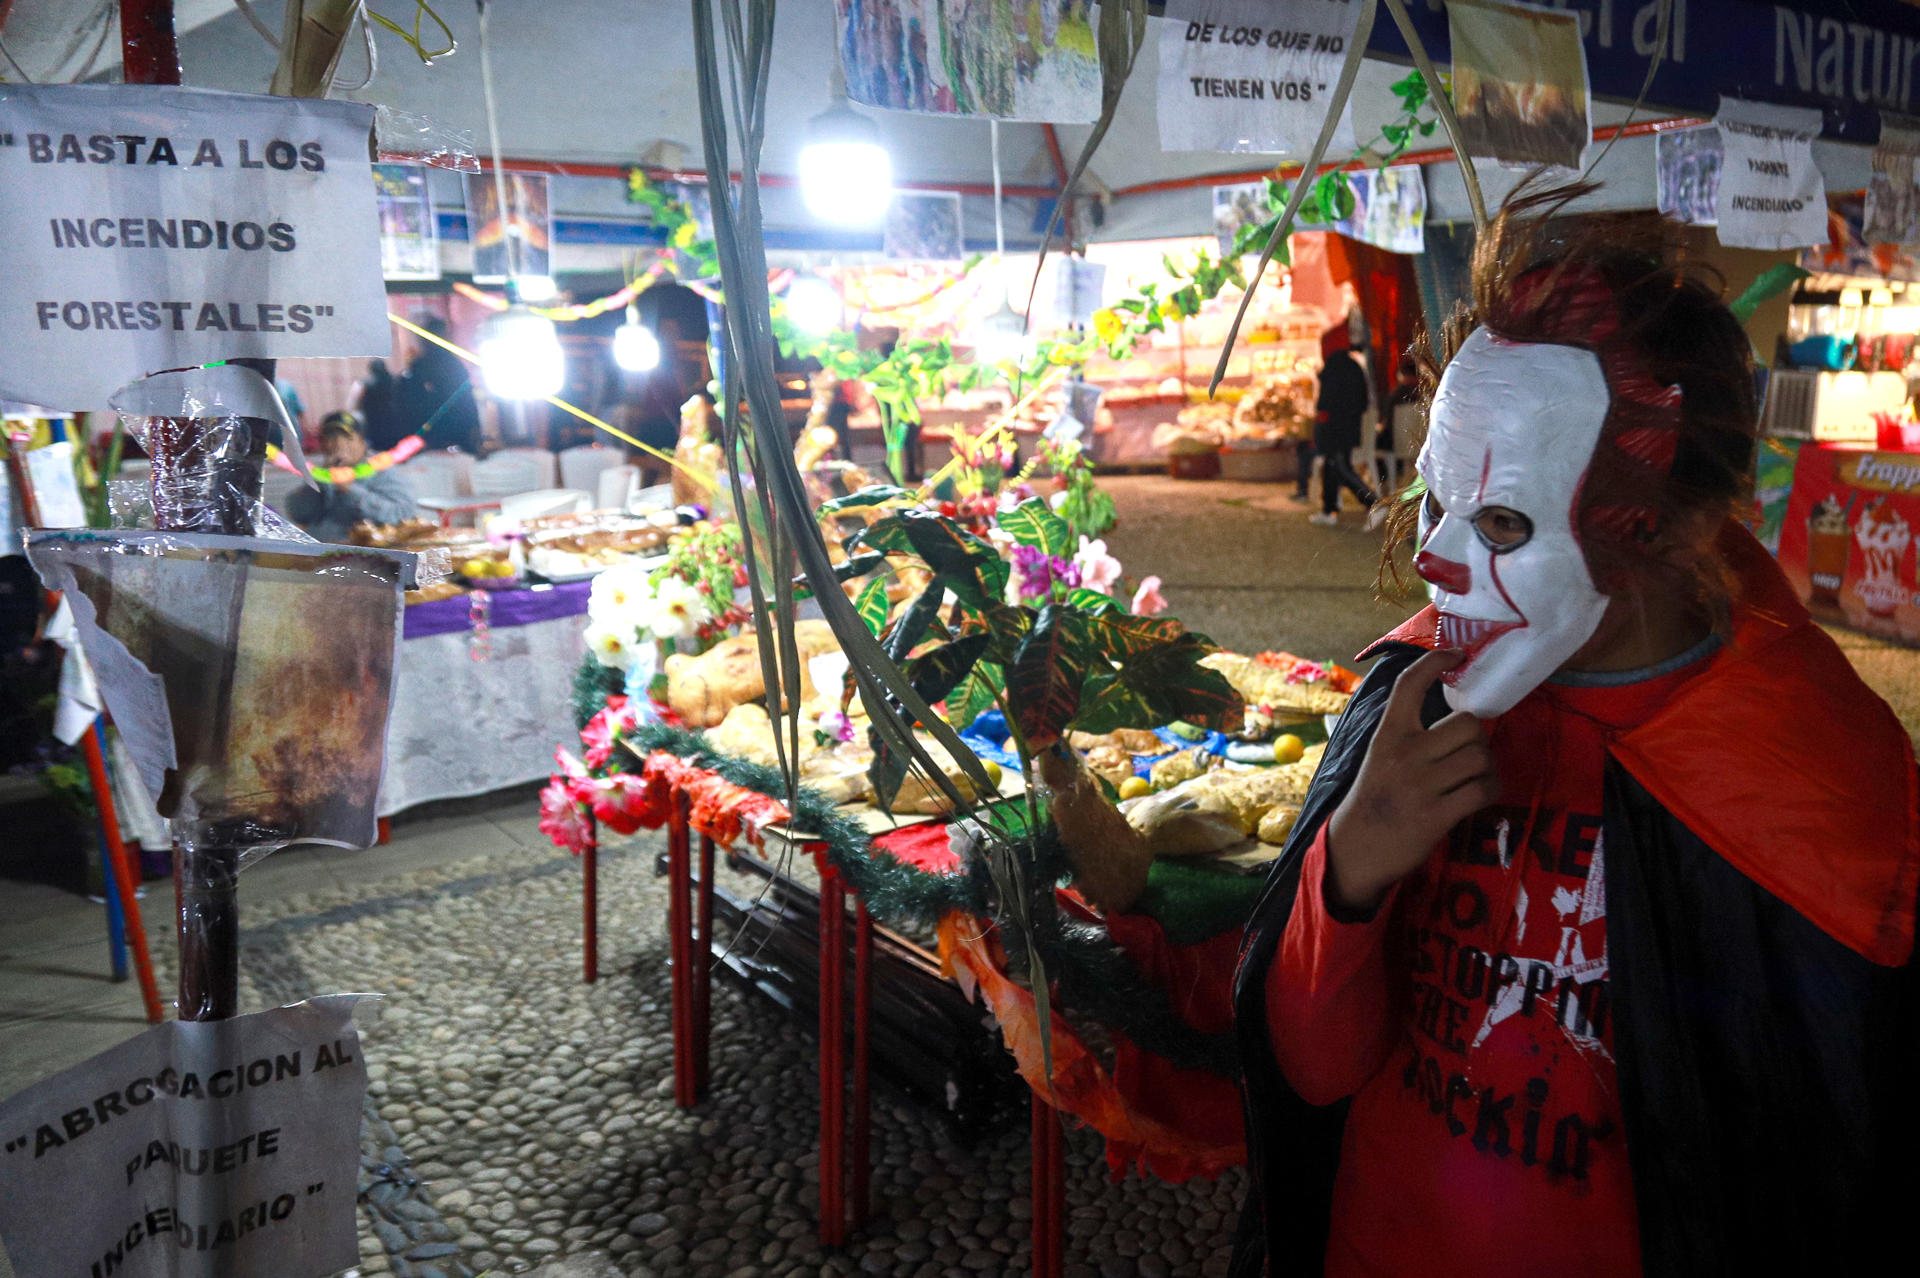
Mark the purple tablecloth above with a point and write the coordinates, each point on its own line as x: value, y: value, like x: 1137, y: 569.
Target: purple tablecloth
x: 508, y: 608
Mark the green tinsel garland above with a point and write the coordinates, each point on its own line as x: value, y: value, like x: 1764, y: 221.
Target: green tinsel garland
x: 1094, y: 976
x: 593, y: 683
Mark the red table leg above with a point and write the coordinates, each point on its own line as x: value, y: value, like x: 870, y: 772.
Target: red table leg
x: 590, y: 899
x: 701, y: 969
x: 833, y: 1077
x: 122, y: 880
x: 860, y: 1157
x: 383, y: 832
x: 680, y: 952
x: 1049, y: 1192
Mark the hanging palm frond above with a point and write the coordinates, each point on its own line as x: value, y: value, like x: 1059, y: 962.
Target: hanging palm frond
x: 1122, y: 30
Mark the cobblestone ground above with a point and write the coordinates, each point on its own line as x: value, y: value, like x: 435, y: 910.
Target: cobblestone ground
x: 517, y: 1117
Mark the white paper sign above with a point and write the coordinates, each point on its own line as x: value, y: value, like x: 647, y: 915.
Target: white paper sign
x: 195, y: 1149
x: 56, y: 492
x: 1771, y: 193
x: 146, y: 228
x: 1252, y: 75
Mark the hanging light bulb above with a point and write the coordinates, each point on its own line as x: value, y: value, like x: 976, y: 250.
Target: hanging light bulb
x: 520, y: 355
x: 846, y: 176
x: 635, y: 348
x: 813, y: 306
x: 536, y: 288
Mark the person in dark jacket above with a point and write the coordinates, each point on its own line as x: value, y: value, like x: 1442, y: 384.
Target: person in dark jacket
x: 1591, y: 951
x: 435, y: 396
x: 1338, y: 411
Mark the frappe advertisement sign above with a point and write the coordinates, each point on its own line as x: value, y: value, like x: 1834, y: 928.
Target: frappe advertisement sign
x: 1848, y: 542
x: 145, y: 228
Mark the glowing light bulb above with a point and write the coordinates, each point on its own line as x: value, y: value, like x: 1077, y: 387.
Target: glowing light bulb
x: 635, y: 348
x: 536, y: 288
x: 520, y: 355
x: 813, y: 306
x: 846, y: 176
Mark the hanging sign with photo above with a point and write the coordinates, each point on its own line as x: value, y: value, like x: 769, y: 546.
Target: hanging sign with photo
x: 1252, y: 75
x: 1389, y: 210
x: 1520, y: 82
x: 1893, y: 199
x: 1033, y: 61
x: 147, y: 228
x: 1687, y: 173
x: 409, y: 233
x: 522, y: 244
x: 923, y: 227
x: 1771, y: 193
x: 198, y: 1149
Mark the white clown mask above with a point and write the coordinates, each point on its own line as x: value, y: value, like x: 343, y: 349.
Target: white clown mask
x: 1514, y: 426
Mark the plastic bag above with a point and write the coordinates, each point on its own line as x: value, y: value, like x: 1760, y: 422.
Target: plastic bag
x: 402, y: 137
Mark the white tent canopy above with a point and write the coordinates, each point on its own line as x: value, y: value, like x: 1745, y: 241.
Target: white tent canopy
x: 590, y: 82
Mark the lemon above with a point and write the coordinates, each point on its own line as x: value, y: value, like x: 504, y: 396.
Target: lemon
x: 1134, y: 787
x: 474, y: 568
x: 1288, y: 749
x: 993, y: 769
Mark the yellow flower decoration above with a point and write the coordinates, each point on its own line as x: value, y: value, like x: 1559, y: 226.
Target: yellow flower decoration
x: 1108, y: 324
x: 1170, y: 311
x: 685, y: 235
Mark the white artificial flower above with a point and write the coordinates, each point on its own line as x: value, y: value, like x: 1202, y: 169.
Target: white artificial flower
x: 677, y: 610
x: 612, y: 646
x: 620, y: 597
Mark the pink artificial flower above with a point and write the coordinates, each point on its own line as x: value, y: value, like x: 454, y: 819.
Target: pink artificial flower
x: 837, y: 725
x: 1147, y: 601
x: 603, y: 731
x: 1098, y: 569
x: 620, y: 802
x: 562, y: 818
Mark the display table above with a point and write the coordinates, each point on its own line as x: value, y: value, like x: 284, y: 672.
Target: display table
x: 1847, y: 539
x: 483, y: 689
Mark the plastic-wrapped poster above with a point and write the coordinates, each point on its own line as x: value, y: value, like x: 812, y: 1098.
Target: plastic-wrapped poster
x: 529, y: 225
x: 1520, y: 82
x: 1032, y: 61
x: 1687, y: 167
x: 252, y: 679
x: 1893, y: 200
x: 409, y: 234
x: 923, y: 228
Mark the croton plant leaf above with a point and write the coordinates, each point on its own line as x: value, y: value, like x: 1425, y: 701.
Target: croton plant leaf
x: 1163, y: 683
x: 872, y: 604
x: 1048, y: 673
x: 967, y: 565
x: 938, y: 671
x: 1033, y: 523
x: 975, y: 693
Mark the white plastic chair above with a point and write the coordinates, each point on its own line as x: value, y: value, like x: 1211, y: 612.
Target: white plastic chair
x: 547, y: 501
x: 512, y: 470
x: 543, y: 462
x: 440, y: 473
x: 660, y: 496
x: 613, y: 486
x: 582, y: 467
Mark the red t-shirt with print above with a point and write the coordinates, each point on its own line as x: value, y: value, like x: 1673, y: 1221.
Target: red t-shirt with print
x: 1468, y: 1020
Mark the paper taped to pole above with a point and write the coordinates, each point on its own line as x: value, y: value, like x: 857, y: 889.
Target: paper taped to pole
x: 208, y: 1149
x: 147, y: 228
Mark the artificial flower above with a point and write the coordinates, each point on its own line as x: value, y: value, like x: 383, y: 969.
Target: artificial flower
x: 619, y: 595
x: 620, y: 802
x: 1057, y: 499
x: 562, y: 820
x: 686, y: 234
x: 677, y: 610
x: 1098, y: 569
x: 611, y: 646
x: 1108, y: 324
x: 1147, y: 601
x: 837, y: 725
x: 603, y: 730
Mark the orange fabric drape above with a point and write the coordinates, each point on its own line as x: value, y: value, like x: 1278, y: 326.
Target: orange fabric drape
x: 1389, y: 298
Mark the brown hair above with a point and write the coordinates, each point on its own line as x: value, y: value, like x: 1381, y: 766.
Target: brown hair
x: 1682, y: 422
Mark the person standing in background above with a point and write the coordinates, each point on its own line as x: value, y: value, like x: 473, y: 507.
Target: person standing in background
x: 376, y: 400
x: 435, y: 396
x: 1341, y: 404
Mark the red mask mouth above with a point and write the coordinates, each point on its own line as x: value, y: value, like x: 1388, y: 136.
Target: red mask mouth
x: 1470, y: 635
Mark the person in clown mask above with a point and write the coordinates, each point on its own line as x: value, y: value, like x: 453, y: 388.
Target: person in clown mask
x: 1591, y: 952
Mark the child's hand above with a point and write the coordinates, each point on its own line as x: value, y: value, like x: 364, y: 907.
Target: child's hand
x: 1414, y: 785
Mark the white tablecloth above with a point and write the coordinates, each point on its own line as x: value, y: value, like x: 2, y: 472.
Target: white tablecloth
x: 463, y: 726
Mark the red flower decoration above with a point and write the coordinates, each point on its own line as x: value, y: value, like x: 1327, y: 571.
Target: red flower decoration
x: 562, y: 818
x: 620, y: 803
x: 603, y: 732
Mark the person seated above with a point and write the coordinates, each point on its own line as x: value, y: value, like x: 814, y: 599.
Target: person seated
x: 331, y: 510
